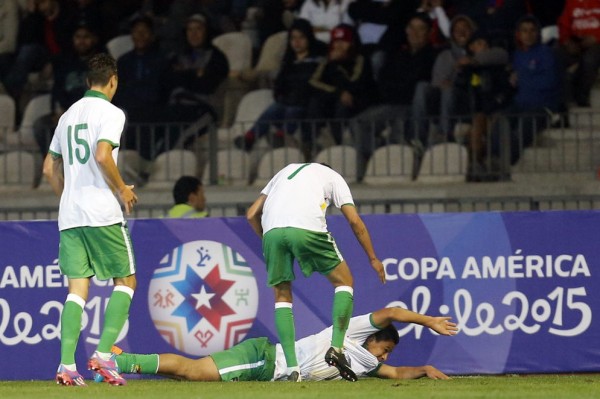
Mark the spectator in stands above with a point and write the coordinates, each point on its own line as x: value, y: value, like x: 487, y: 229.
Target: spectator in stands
x: 496, y: 18
x: 9, y: 28
x: 536, y: 79
x: 486, y: 80
x: 189, y: 198
x: 579, y: 36
x: 196, y: 74
x: 343, y: 86
x: 373, y: 18
x: 142, y: 90
x: 403, y: 69
x: 70, y: 83
x: 291, y: 89
x: 275, y: 16
x: 440, y: 31
x: 88, y: 12
x: 324, y: 15
x: 44, y: 32
x: 440, y: 97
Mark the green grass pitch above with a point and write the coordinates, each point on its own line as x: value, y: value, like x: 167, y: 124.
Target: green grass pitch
x: 505, y: 387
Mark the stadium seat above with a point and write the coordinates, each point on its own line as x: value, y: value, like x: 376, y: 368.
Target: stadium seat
x: 233, y: 168
x: 17, y: 168
x: 269, y: 61
x: 7, y: 115
x: 444, y: 163
x: 23, y: 138
x: 342, y: 158
x: 170, y: 166
x: 249, y: 109
x: 237, y: 47
x: 119, y: 45
x: 390, y: 164
x: 274, y: 160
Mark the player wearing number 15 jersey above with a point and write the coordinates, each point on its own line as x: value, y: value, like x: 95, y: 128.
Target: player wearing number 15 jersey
x: 81, y: 167
x: 289, y: 215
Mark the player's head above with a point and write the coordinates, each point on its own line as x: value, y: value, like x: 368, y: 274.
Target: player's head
x: 102, y: 74
x: 189, y: 190
x: 382, y: 343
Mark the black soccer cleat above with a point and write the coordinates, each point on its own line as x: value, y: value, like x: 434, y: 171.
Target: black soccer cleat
x: 294, y: 377
x: 338, y: 360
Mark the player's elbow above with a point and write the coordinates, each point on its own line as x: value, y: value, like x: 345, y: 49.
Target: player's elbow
x: 48, y: 167
x: 101, y: 158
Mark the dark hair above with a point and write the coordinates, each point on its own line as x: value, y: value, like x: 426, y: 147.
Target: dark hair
x: 101, y: 67
x: 185, y: 186
x: 140, y: 19
x: 315, y: 47
x: 388, y: 333
x: 424, y: 17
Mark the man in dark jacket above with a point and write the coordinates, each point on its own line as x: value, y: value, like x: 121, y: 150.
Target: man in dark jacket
x: 398, y: 78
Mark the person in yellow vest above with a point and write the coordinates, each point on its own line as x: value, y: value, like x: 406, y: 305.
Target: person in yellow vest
x: 189, y: 198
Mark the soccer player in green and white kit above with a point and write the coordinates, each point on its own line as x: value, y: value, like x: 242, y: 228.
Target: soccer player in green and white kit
x: 94, y: 240
x: 289, y: 215
x: 369, y: 341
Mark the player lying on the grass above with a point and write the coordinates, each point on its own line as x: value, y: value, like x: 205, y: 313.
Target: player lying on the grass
x: 369, y: 341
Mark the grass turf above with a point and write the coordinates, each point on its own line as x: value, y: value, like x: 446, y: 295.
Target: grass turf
x: 505, y: 387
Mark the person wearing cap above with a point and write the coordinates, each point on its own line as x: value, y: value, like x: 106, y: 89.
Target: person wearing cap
x: 343, y: 85
x: 189, y: 198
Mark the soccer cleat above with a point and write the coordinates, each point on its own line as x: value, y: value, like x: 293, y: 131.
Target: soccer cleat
x: 337, y: 359
x: 116, y: 351
x: 294, y: 377
x: 69, y: 378
x: 107, y: 369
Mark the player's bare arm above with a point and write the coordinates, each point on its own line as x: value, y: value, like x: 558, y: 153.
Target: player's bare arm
x: 410, y: 373
x: 364, y: 238
x: 440, y: 324
x: 254, y: 214
x: 112, y: 176
x: 53, y: 170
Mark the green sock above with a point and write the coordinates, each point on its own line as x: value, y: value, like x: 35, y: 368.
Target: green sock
x: 115, y: 317
x: 343, y: 303
x: 70, y: 328
x: 284, y: 323
x: 131, y: 363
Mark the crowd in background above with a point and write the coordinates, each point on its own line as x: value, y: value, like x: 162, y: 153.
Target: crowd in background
x: 415, y: 67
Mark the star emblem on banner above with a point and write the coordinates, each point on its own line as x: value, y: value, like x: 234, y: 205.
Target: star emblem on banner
x: 203, y: 298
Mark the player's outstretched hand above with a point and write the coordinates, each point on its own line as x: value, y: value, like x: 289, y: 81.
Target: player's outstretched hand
x: 128, y: 198
x: 378, y: 266
x: 442, y: 325
x: 435, y: 374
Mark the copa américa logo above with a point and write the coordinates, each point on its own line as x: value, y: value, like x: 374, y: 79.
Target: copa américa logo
x: 203, y: 297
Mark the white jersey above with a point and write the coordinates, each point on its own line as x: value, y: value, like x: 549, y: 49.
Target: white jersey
x: 299, y: 194
x: 87, y: 200
x: 311, y: 353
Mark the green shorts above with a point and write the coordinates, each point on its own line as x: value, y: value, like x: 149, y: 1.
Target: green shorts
x: 105, y: 252
x: 250, y: 360
x: 315, y: 251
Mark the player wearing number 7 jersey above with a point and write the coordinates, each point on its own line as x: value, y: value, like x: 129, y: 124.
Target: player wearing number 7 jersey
x: 289, y: 215
x: 81, y: 167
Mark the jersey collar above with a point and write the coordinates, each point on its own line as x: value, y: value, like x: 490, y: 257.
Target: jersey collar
x: 94, y: 93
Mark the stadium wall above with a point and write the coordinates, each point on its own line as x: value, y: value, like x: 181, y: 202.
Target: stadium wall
x: 520, y: 284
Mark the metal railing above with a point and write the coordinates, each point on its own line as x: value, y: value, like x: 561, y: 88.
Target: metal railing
x: 395, y: 150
